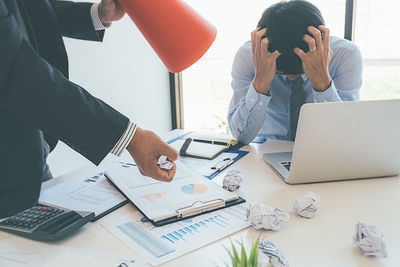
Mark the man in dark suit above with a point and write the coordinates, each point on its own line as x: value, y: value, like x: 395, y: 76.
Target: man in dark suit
x: 39, y: 105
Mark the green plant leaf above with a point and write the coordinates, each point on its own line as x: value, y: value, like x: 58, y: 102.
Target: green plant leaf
x: 231, y: 256
x: 235, y: 253
x: 255, y: 261
x: 242, y: 260
x: 253, y: 258
x: 244, y: 256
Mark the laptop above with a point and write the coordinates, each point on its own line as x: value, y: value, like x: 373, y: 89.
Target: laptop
x: 342, y: 141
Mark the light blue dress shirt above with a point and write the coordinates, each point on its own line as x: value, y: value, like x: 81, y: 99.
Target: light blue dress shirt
x: 253, y: 114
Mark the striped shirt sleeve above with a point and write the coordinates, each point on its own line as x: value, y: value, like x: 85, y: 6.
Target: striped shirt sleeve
x: 94, y: 13
x: 125, y: 139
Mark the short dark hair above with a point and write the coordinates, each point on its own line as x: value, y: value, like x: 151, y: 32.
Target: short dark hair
x: 286, y: 23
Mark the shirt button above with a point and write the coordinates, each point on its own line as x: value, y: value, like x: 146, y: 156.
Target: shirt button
x: 252, y: 100
x: 261, y: 103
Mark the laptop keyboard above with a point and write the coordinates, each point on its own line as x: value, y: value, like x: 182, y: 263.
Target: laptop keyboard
x: 286, y: 164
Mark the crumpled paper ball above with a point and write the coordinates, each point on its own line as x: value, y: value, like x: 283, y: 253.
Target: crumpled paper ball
x: 307, y: 206
x: 270, y: 255
x: 370, y: 240
x: 263, y: 216
x: 232, y: 180
x: 164, y: 163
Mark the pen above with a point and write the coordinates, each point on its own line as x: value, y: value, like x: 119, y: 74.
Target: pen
x: 212, y: 142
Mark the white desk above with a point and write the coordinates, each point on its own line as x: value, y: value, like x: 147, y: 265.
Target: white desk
x: 323, y: 241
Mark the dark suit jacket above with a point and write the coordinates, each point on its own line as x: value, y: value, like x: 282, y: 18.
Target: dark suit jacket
x: 37, y: 99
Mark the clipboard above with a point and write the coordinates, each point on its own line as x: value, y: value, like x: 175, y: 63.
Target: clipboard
x: 186, y: 194
x: 234, y: 149
x: 218, y: 170
x: 214, y: 208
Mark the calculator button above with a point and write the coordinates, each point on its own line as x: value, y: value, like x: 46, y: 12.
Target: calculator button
x: 42, y: 208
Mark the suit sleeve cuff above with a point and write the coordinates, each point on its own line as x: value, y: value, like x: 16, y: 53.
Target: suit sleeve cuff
x: 94, y: 13
x: 329, y: 95
x: 125, y: 139
x: 255, y: 100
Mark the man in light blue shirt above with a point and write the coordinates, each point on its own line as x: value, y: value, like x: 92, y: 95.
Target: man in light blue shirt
x: 291, y: 60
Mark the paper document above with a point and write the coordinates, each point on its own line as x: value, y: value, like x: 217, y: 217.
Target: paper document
x: 207, y: 167
x: 161, y: 200
x: 162, y: 244
x: 90, y: 192
x: 27, y: 253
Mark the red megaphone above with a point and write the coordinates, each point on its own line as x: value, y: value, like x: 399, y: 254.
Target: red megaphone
x: 178, y: 34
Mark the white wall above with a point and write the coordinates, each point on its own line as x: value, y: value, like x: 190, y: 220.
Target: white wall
x: 124, y: 72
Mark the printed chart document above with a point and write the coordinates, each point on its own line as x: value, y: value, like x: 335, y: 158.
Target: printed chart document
x: 187, y: 195
x: 89, y: 192
x: 161, y: 244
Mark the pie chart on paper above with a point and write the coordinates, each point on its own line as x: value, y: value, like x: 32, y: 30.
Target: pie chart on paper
x: 194, y: 189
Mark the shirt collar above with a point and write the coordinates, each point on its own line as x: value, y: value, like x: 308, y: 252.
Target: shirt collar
x: 283, y: 76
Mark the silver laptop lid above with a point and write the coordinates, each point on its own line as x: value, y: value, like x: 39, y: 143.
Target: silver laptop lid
x: 347, y: 140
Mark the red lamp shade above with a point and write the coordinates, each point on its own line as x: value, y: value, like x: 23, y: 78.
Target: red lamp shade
x: 178, y: 34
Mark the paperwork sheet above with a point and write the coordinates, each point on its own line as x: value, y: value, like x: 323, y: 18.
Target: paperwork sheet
x: 207, y: 167
x: 162, y: 244
x: 90, y: 192
x: 27, y: 253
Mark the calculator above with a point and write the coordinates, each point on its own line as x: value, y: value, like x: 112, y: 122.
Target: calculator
x: 45, y: 223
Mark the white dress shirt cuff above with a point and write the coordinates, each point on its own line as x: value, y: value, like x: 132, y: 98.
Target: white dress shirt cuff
x: 329, y: 95
x: 125, y: 139
x: 255, y: 100
x: 94, y: 12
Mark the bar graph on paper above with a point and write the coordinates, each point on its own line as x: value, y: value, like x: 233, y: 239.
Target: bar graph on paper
x: 187, y: 232
x: 171, y: 241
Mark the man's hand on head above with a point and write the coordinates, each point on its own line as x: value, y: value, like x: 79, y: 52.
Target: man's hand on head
x: 263, y: 60
x: 109, y: 11
x: 316, y: 60
x: 145, y: 148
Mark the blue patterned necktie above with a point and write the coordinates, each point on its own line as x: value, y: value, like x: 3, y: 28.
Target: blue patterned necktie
x: 297, y: 99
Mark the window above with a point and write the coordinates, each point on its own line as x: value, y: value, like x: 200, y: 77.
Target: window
x: 377, y: 33
x: 206, y: 85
